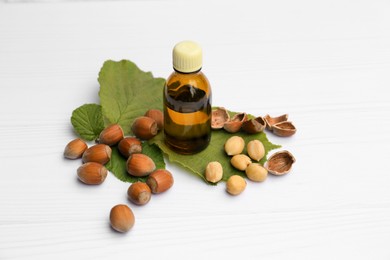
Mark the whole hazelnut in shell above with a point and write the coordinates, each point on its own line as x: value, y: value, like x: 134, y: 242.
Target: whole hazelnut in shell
x: 122, y: 218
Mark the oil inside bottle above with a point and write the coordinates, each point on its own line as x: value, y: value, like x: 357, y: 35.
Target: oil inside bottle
x: 187, y: 118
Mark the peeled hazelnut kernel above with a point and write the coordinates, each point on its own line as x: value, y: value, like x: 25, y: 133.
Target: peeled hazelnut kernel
x: 254, y: 126
x: 129, y: 145
x: 100, y: 153
x: 75, y: 149
x: 157, y: 115
x: 144, y: 127
x: 256, y: 172
x: 92, y: 173
x: 284, y: 129
x: 139, y: 193
x: 271, y: 121
x: 219, y: 117
x: 160, y: 181
x: 234, y: 145
x: 255, y: 150
x: 111, y: 135
x: 280, y: 163
x: 140, y: 165
x: 121, y: 218
x: 240, y: 161
x: 214, y: 172
x: 235, y: 124
x: 235, y: 185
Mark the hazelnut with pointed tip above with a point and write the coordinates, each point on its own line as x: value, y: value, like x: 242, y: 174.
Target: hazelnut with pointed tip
x: 75, y: 149
x: 100, y: 153
x: 111, y: 135
x: 144, y: 127
x: 255, y: 150
x: 160, y: 181
x: 157, y: 115
x: 122, y: 218
x: 129, y: 145
x: 139, y: 193
x: 92, y: 173
x: 140, y: 165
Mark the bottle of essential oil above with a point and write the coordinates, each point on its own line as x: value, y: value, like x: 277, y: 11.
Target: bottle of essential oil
x: 187, y: 101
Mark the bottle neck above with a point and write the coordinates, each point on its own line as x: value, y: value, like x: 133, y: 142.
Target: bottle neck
x: 193, y: 72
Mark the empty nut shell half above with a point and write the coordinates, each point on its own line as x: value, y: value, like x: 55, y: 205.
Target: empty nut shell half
x: 284, y: 129
x: 234, y: 125
x: 271, y: 121
x: 219, y: 117
x: 280, y: 163
x: 254, y: 126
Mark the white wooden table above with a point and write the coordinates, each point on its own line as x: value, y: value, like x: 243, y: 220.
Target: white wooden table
x: 326, y: 63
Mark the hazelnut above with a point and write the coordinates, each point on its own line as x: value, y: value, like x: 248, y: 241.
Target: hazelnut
x: 157, y: 115
x: 240, y: 161
x: 214, y: 172
x: 235, y: 185
x: 75, y: 149
x: 92, y: 173
x: 256, y: 172
x: 234, y: 145
x: 121, y: 218
x: 144, y: 127
x: 129, y: 145
x: 254, y: 126
x: 139, y: 193
x: 271, y: 121
x: 160, y: 181
x: 100, y: 153
x: 235, y: 124
x: 284, y: 129
x: 111, y: 135
x: 219, y: 117
x: 280, y: 163
x: 255, y: 150
x: 140, y: 165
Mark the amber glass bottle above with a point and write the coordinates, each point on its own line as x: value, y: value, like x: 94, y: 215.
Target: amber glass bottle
x: 187, y: 102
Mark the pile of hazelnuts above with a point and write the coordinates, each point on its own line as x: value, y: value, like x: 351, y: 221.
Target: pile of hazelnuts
x: 93, y: 171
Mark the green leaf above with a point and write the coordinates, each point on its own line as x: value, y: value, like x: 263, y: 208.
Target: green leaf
x: 126, y: 92
x: 87, y: 121
x: 117, y: 164
x: 197, y: 163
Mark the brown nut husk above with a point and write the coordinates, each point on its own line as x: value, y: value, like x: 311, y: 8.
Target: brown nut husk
x: 140, y: 165
x: 284, y: 129
x: 75, y: 149
x: 160, y: 181
x: 157, y: 115
x: 144, y: 127
x: 219, y: 117
x: 129, y: 145
x: 100, y: 153
x: 280, y: 163
x: 111, y: 135
x: 234, y: 125
x: 92, y: 173
x: 139, y: 193
x: 122, y: 218
x: 254, y: 126
x: 271, y: 121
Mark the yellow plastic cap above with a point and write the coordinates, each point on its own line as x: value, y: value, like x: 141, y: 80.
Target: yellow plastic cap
x: 187, y: 56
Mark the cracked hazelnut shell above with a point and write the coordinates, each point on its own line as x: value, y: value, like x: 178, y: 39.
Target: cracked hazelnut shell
x: 271, y: 121
x: 219, y: 117
x: 280, y: 163
x: 234, y: 125
x: 253, y: 126
x: 284, y: 129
